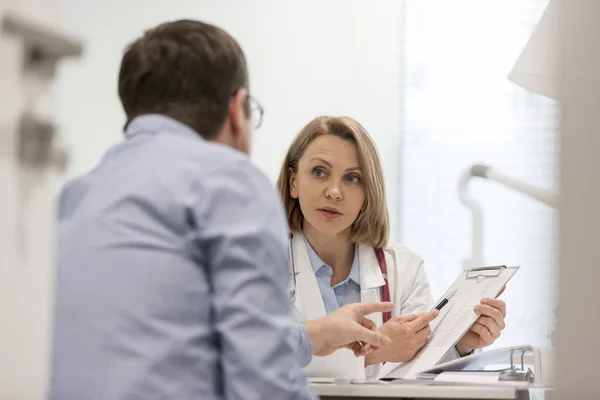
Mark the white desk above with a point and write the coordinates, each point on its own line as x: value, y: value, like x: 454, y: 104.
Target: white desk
x: 337, y: 391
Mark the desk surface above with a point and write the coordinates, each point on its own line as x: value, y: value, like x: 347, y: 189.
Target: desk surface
x: 404, y: 390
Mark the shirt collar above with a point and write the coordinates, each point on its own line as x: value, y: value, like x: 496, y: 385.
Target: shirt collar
x: 157, y: 123
x: 317, y: 263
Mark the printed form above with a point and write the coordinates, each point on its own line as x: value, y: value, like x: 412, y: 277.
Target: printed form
x: 455, y: 319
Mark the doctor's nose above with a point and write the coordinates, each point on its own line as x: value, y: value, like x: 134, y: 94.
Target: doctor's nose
x: 334, y: 193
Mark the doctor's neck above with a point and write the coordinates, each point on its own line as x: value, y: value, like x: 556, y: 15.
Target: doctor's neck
x: 336, y: 250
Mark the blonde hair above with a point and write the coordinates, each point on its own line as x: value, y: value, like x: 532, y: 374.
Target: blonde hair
x: 372, y: 224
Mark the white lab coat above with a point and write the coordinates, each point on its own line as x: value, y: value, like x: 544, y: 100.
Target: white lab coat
x: 409, y: 291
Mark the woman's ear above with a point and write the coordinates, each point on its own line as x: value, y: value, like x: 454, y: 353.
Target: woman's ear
x: 293, y: 185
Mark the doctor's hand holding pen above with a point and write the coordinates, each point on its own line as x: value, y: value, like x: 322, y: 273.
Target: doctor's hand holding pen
x: 348, y: 327
x: 409, y: 333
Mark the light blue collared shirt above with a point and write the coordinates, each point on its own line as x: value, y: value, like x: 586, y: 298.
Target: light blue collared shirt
x: 343, y: 293
x: 171, y: 277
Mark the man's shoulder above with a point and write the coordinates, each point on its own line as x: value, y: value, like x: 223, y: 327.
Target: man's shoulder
x: 190, y: 160
x: 241, y: 178
x: 210, y: 155
x: 222, y: 164
x: 70, y: 194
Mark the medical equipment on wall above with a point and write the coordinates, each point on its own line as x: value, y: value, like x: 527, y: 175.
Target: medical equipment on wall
x: 491, y: 174
x: 42, y: 48
x: 40, y: 148
x: 32, y: 44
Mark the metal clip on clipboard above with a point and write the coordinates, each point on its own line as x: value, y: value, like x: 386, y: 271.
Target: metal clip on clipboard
x: 480, y: 273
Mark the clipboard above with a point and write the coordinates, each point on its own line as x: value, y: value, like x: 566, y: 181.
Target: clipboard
x: 455, y: 319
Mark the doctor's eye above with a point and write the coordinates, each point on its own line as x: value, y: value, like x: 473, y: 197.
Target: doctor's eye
x: 319, y: 172
x: 353, y: 178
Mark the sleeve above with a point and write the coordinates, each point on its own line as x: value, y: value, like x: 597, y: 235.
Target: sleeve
x: 302, y: 344
x: 372, y: 371
x: 416, y: 295
x: 242, y: 236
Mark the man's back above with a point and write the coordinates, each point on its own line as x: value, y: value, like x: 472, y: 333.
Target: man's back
x: 171, y: 276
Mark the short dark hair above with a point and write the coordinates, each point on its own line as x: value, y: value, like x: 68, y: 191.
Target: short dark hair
x: 187, y: 70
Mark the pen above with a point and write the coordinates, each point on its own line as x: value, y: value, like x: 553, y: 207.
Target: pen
x: 445, y: 301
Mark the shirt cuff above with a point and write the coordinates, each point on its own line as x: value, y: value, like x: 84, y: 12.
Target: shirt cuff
x: 372, y: 371
x: 302, y: 344
x: 458, y: 354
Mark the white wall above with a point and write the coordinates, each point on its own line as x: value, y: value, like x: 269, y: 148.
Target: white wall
x: 26, y: 233
x: 306, y: 59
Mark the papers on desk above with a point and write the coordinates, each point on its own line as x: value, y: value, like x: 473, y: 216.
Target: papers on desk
x: 455, y: 319
x: 320, y: 380
x: 487, y: 367
x: 470, y: 377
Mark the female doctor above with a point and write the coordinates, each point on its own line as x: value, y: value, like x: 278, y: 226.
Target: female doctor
x: 332, y: 186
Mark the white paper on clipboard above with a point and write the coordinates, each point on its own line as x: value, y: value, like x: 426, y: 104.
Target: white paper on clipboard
x: 455, y: 319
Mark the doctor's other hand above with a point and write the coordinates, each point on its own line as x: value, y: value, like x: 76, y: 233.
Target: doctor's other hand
x: 409, y: 333
x: 486, y: 329
x: 348, y: 327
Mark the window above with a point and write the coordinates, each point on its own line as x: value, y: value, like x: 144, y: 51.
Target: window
x: 460, y: 109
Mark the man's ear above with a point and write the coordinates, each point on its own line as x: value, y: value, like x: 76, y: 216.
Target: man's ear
x: 293, y: 185
x: 237, y: 112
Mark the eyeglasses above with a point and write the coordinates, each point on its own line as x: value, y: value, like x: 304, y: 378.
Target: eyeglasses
x: 256, y: 111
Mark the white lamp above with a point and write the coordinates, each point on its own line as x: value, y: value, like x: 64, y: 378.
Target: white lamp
x: 537, y: 66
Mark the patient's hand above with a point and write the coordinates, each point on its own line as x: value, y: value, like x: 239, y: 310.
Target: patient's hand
x: 348, y: 327
x: 408, y: 333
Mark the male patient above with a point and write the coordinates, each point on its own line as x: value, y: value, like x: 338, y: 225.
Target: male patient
x: 172, y: 259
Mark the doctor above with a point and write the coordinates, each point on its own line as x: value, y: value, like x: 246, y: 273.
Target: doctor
x: 332, y: 186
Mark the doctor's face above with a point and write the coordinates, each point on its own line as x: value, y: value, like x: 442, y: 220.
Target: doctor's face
x: 329, y: 184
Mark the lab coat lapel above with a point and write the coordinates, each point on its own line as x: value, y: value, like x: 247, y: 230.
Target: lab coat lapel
x: 342, y: 364
x: 309, y: 302
x: 371, y: 279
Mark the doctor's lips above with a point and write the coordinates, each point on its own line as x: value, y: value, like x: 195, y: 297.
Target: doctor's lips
x: 329, y: 212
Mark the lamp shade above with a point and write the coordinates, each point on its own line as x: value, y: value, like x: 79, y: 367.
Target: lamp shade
x: 536, y: 68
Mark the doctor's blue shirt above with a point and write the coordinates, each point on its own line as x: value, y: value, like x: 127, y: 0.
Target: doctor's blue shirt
x: 345, y: 292
x: 172, y: 277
